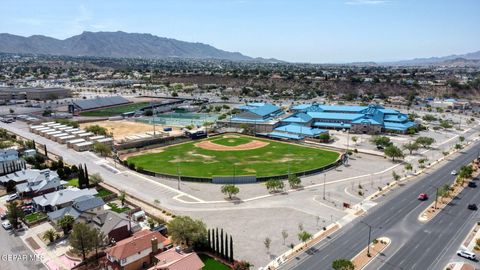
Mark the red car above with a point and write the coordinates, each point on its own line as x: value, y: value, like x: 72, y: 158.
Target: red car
x: 423, y: 197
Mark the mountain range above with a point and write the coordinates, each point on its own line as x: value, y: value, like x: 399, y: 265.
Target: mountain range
x: 134, y: 45
x: 117, y: 45
x: 454, y: 59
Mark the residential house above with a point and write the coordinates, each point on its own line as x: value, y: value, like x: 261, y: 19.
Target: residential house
x: 45, y: 181
x: 83, y: 209
x: 61, y: 198
x: 9, y: 161
x: 175, y: 259
x: 115, y: 226
x: 22, y: 176
x: 136, y: 251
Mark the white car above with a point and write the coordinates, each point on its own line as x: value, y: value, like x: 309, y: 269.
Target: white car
x: 453, y: 172
x: 12, y: 197
x: 6, y: 225
x: 466, y: 254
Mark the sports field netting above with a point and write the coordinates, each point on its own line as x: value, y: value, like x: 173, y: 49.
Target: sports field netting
x: 179, y: 119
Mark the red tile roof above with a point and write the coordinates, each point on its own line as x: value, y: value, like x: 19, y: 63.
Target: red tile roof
x: 138, y: 242
x: 173, y: 260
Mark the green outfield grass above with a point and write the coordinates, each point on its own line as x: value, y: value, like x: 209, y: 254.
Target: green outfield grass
x: 272, y: 159
x: 117, y: 110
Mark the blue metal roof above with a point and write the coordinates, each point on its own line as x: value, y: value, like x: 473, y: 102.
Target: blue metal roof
x: 303, y: 130
x: 365, y: 120
x: 395, y: 118
x: 335, y: 116
x: 285, y: 135
x: 298, y: 118
x: 248, y: 120
x: 398, y: 126
x: 262, y: 109
x: 342, y: 108
x: 332, y: 125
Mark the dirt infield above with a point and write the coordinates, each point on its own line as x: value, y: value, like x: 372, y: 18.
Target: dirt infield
x: 208, y: 145
x: 123, y: 128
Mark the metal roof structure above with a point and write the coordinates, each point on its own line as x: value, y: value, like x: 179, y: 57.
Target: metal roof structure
x: 90, y: 104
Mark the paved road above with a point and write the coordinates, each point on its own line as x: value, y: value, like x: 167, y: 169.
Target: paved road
x: 16, y: 246
x: 396, y: 218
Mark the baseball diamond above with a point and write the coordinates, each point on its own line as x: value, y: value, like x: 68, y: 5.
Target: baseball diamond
x: 233, y: 154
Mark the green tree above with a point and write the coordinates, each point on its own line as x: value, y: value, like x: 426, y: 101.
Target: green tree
x: 381, y: 141
x: 343, y: 264
x: 122, y: 197
x: 461, y: 139
x: 274, y: 185
x: 103, y: 149
x: 425, y: 142
x: 50, y: 235
x: 324, y: 137
x: 184, y: 230
x: 393, y: 152
x: 411, y: 146
x: 97, y: 130
x: 304, y: 236
x: 294, y: 181
x: 66, y: 223
x: 230, y: 190
x: 81, y: 239
x: 15, y: 213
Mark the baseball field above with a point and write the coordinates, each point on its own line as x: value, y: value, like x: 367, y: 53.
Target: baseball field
x: 117, y: 110
x: 233, y: 154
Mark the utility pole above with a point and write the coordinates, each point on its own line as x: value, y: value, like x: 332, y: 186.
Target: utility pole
x: 348, y: 139
x: 324, y: 178
x: 178, y: 174
x: 436, y: 197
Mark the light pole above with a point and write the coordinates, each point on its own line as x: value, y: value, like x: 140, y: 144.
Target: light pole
x: 369, y: 237
x: 178, y: 174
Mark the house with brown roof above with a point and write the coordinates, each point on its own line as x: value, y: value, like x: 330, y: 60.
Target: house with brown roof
x: 137, y: 251
x: 175, y: 259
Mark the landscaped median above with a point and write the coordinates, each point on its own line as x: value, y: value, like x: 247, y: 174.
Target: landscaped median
x: 290, y: 254
x: 363, y: 258
x: 445, y: 194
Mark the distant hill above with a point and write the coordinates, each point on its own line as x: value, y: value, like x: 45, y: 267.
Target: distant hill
x: 454, y: 59
x: 117, y: 45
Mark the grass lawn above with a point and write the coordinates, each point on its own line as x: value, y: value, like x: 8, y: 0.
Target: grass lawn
x: 102, y: 193
x: 212, y: 264
x: 117, y: 110
x: 118, y: 209
x: 34, y: 217
x: 73, y: 182
x: 272, y: 159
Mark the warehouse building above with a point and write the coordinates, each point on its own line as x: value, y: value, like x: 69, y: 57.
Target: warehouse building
x: 13, y: 93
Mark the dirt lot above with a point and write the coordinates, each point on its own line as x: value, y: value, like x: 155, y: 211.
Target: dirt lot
x: 125, y: 128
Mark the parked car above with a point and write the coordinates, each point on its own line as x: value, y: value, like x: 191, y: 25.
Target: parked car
x: 12, y: 197
x: 472, y: 206
x: 28, y: 211
x: 472, y: 184
x: 466, y: 254
x: 6, y: 225
x: 423, y: 197
x: 3, y: 216
x: 453, y: 172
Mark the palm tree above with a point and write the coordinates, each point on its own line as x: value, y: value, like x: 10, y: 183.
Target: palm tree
x: 66, y: 223
x: 50, y: 235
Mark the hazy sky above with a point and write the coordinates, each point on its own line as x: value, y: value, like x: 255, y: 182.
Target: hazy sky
x: 296, y: 30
